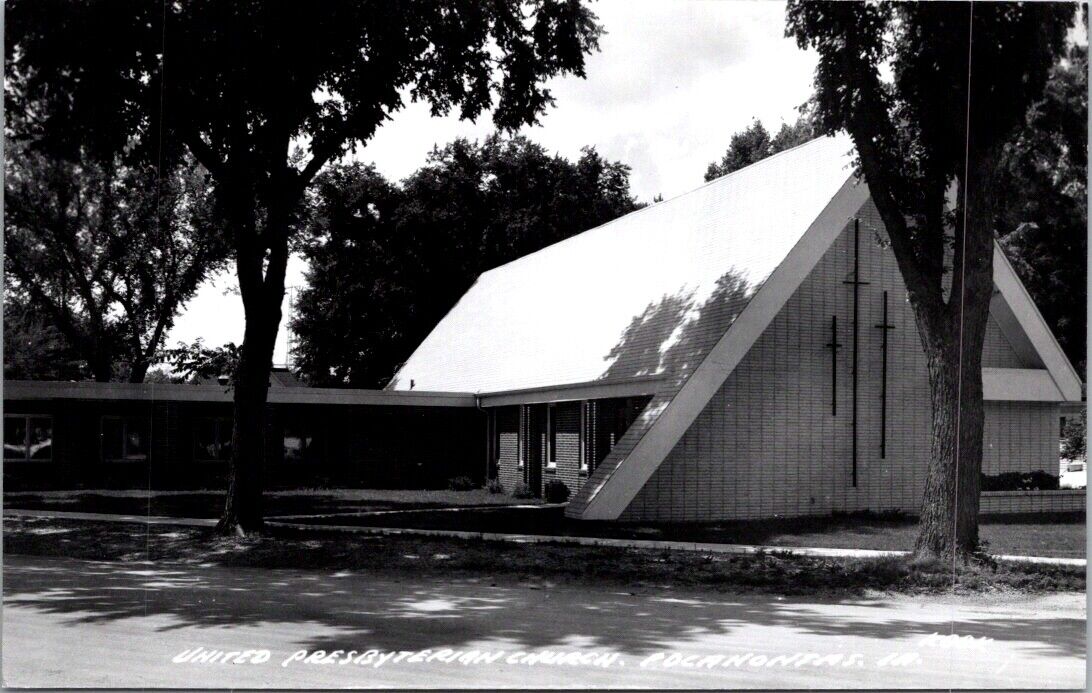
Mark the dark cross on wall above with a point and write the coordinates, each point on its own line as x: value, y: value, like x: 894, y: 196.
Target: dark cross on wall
x: 884, y: 327
x: 834, y: 346
x: 857, y: 284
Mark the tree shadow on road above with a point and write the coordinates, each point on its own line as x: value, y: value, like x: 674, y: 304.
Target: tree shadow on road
x: 343, y: 610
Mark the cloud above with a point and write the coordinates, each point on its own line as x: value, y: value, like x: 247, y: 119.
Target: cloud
x: 680, y: 77
x: 652, y: 47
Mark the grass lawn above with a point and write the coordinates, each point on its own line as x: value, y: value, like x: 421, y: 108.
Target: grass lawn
x: 540, y: 563
x: 210, y: 503
x: 1061, y: 534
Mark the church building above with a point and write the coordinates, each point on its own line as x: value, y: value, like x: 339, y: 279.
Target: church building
x: 744, y: 350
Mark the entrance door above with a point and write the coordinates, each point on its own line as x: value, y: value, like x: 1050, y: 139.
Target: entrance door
x: 536, y: 438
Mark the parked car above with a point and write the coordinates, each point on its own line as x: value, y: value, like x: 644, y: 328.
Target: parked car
x: 1074, y: 476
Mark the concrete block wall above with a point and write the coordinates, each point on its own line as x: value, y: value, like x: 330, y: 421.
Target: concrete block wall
x: 1010, y: 502
x: 997, y: 352
x: 769, y: 444
x: 1020, y: 437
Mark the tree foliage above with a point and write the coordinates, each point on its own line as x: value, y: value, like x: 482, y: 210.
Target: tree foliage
x: 34, y: 349
x: 241, y: 84
x: 961, y: 79
x: 387, y: 262
x: 106, y: 253
x: 1074, y: 443
x: 755, y: 144
x: 1044, y: 219
x: 195, y: 362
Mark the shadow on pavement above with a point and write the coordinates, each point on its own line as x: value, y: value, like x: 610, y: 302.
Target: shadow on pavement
x: 416, y: 613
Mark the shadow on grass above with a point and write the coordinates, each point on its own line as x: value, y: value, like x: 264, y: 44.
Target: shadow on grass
x: 1060, y: 534
x: 210, y: 504
x: 419, y: 612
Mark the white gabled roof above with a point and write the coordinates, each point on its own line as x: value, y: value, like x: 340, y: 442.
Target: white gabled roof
x: 1021, y: 320
x: 631, y: 298
x: 617, y: 480
x: 650, y: 298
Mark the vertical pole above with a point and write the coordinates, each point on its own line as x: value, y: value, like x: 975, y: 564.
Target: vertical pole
x: 593, y: 454
x: 885, y: 326
x: 883, y: 386
x: 857, y: 283
x: 856, y: 331
x: 524, y: 443
x: 490, y: 436
x: 834, y: 346
x: 834, y: 365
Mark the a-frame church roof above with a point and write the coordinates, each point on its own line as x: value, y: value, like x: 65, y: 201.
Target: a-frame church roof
x: 644, y: 295
x: 673, y: 296
x: 651, y: 296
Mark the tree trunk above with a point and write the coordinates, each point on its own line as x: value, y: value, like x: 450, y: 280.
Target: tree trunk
x: 138, y: 371
x: 102, y: 367
x: 141, y: 356
x: 949, y: 513
x: 953, y: 347
x: 262, y: 295
x: 243, y: 507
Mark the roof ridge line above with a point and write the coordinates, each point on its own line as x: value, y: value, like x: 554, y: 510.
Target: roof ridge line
x: 623, y: 490
x: 706, y: 184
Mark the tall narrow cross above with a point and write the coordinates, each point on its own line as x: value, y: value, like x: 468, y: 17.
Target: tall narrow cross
x: 834, y: 346
x: 857, y: 284
x: 884, y: 327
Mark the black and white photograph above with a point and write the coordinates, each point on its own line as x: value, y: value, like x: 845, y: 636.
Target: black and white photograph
x: 540, y: 344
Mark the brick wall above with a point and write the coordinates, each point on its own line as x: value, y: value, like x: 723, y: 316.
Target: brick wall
x: 567, y: 442
x: 769, y: 443
x: 507, y: 442
x: 591, y: 435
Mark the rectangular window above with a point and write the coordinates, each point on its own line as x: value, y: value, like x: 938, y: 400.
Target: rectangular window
x: 28, y: 438
x: 551, y: 437
x: 212, y: 440
x: 15, y: 438
x: 297, y: 444
x: 125, y: 439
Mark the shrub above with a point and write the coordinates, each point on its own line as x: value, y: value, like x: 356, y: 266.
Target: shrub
x: 1020, y: 481
x: 556, y: 491
x: 1073, y: 441
x: 495, y: 486
x: 522, y: 490
x: 461, y: 483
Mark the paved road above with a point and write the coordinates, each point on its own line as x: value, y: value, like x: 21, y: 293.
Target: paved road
x: 73, y: 623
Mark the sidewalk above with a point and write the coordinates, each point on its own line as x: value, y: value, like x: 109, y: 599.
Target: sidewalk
x: 102, y: 517
x: 527, y: 538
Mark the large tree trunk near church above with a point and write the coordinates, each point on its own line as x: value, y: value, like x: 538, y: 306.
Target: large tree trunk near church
x: 953, y: 347
x: 243, y: 507
x: 949, y: 513
x: 261, y: 285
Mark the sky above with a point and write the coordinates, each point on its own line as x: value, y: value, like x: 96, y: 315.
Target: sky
x: 670, y: 85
